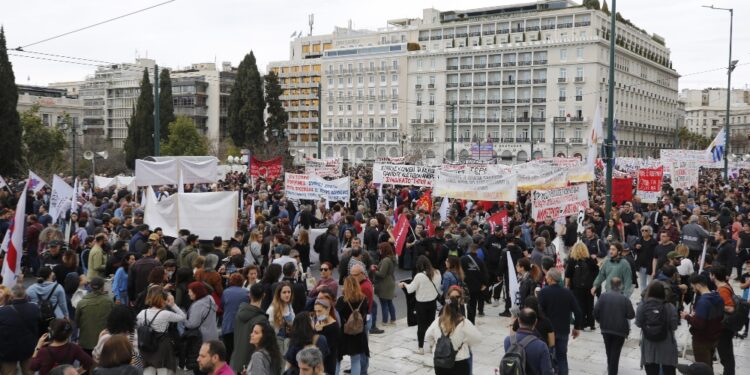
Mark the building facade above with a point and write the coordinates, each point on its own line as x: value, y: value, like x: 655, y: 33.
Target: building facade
x: 54, y: 105
x: 705, y: 110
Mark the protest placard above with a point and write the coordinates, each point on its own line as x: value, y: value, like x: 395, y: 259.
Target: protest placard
x: 304, y: 186
x: 649, y: 184
x: 622, y: 190
x: 323, y: 167
x: 402, y: 174
x: 485, y: 182
x: 558, y: 203
x: 266, y: 169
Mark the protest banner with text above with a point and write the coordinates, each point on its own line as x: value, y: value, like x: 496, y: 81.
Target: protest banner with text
x: 393, y: 174
x: 323, y: 167
x: 304, y: 186
x: 485, y: 182
x: 559, y: 203
x: 266, y: 169
x: 649, y: 184
x: 622, y: 190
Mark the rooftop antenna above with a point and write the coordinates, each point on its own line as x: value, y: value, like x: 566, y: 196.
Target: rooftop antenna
x: 311, y: 21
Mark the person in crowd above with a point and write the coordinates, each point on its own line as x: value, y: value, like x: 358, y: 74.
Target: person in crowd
x: 304, y: 335
x: 614, y: 266
x: 543, y: 327
x: 325, y: 281
x: 454, y: 274
x: 558, y: 304
x: 231, y: 299
x: 462, y: 333
x: 120, y: 322
x: 19, y: 328
x: 189, y: 252
x: 271, y: 277
x: 97, y: 262
x: 425, y: 288
x: 385, y: 282
x: 726, y: 251
x: 5, y: 296
x: 251, y: 275
x: 281, y: 314
x: 536, y: 352
x: 200, y: 325
x: 212, y: 359
x: 248, y: 315
x: 302, y: 245
x: 116, y: 357
x: 477, y: 280
x: 353, y: 344
x: 54, y: 348
x: 120, y: 280
x: 580, y: 272
x: 48, y: 289
x: 138, y: 273
x: 658, y: 320
x: 160, y: 313
x: 327, y: 326
x: 527, y: 284
x: 704, y: 320
x: 266, y: 358
x: 644, y: 251
x: 310, y: 362
x: 614, y: 311
x: 91, y: 314
x: 720, y: 277
x: 206, y: 272
x: 693, y: 236
x: 68, y: 263
x: 290, y: 274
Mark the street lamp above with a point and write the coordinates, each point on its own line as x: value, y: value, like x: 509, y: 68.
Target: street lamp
x: 232, y: 161
x: 730, y: 67
x: 90, y: 155
x: 64, y: 124
x: 402, y: 140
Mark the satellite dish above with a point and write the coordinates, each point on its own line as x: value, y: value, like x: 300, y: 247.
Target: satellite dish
x: 88, y: 155
x: 103, y: 154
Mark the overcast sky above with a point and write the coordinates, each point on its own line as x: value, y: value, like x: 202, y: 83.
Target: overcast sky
x: 190, y: 31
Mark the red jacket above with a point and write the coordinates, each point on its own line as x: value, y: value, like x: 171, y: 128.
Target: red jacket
x: 367, y: 289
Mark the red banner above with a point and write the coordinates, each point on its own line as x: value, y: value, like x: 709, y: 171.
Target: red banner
x: 400, y: 231
x: 649, y: 184
x: 622, y: 190
x: 500, y: 218
x: 425, y: 202
x: 266, y: 169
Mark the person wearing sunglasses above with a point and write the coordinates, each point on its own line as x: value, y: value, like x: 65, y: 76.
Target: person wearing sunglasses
x: 326, y: 281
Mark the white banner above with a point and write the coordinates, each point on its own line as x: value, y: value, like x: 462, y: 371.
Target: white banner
x: 558, y: 203
x: 166, y: 171
x: 324, y: 167
x: 403, y: 174
x: 204, y: 214
x: 304, y: 186
x: 540, y: 178
x: 60, y: 199
x: 390, y: 160
x: 477, y: 182
x: 684, y: 174
x: 155, y: 173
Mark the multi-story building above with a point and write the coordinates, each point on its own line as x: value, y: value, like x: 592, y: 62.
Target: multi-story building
x: 705, y: 110
x: 300, y: 79
x: 54, y: 104
x: 201, y: 93
x: 525, y: 78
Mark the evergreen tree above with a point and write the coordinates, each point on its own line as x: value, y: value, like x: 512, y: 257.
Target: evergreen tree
x: 10, y: 124
x: 277, y: 116
x: 166, y: 105
x: 140, y: 141
x: 591, y: 4
x: 605, y: 8
x: 246, y: 105
x: 184, y: 139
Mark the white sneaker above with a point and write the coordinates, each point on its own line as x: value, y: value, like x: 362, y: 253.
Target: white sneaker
x: 420, y: 351
x: 495, y: 302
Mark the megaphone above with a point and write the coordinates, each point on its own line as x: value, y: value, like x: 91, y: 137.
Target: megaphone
x: 103, y: 154
x: 88, y: 155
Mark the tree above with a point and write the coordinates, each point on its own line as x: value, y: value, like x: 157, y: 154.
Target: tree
x: 605, y: 8
x: 591, y: 4
x: 246, y: 105
x: 277, y: 116
x: 10, y: 125
x: 184, y: 139
x: 139, y: 142
x: 42, y: 145
x: 166, y: 105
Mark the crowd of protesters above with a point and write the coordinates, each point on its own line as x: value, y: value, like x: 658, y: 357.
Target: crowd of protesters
x: 256, y: 303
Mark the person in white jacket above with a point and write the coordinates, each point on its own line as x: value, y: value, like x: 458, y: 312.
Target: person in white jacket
x: 462, y: 333
x: 425, y: 286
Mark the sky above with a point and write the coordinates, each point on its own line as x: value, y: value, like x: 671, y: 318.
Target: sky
x: 190, y: 31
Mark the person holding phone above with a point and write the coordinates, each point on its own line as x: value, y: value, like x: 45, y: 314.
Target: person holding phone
x: 54, y: 349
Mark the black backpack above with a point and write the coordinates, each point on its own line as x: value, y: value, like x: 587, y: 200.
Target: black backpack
x: 655, y: 320
x: 320, y: 243
x: 583, y: 277
x: 736, y: 320
x: 47, y: 308
x: 444, y: 356
x: 148, y: 339
x: 514, y: 359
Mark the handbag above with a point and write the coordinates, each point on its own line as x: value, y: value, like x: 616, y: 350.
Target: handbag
x: 195, y: 332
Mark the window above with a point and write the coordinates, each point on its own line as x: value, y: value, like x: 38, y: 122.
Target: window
x: 579, y: 94
x: 394, y: 78
x: 578, y: 133
x: 394, y: 63
x: 540, y: 133
x: 579, y: 53
x: 419, y: 80
x: 330, y: 81
x: 394, y: 107
x: 563, y: 73
x: 579, y: 72
x: 432, y: 80
x: 563, y: 54
x: 419, y: 64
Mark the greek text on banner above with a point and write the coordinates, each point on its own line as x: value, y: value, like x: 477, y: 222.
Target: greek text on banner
x: 558, y: 203
x: 393, y: 174
x: 487, y: 185
x: 303, y: 186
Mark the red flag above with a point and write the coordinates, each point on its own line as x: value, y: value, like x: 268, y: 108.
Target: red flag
x: 425, y: 202
x: 500, y: 218
x: 400, y: 231
x: 428, y: 224
x: 267, y: 169
x: 13, y: 243
x: 622, y: 190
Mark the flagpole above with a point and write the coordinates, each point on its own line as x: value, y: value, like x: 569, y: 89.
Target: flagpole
x: 610, y: 109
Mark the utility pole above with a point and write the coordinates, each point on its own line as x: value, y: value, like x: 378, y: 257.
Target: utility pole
x: 453, y: 131
x: 531, y: 133
x: 157, y: 121
x: 320, y: 125
x: 73, y: 130
x: 554, y: 140
x: 610, y: 109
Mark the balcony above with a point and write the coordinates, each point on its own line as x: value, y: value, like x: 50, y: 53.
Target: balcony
x: 494, y: 65
x: 478, y: 120
x: 511, y: 82
x: 424, y: 38
x: 522, y: 119
x: 461, y: 35
x: 509, y: 63
x: 493, y: 83
x: 503, y: 31
x: 524, y: 63
x: 507, y: 101
x: 451, y: 84
x: 488, y: 32
x: 494, y: 101
x: 480, y: 84
x: 540, y: 62
x: 517, y: 30
x: 465, y: 66
x: 576, y: 119
x: 464, y: 101
x: 579, y: 98
x: 540, y: 80
x: 448, y: 36
x: 561, y: 99
x: 508, y: 119
x: 464, y: 120
x: 583, y: 23
x: 436, y: 37
x: 524, y: 100
x: 579, y: 79
x: 559, y: 119
x: 538, y: 119
x: 522, y: 140
x: 576, y: 140
x: 524, y: 81
x: 451, y: 102
x: 465, y: 84
x: 451, y: 67
x: 532, y: 28
x: 562, y: 80
x: 564, y: 25
x: 479, y: 101
x: 475, y: 33
x: 507, y: 140
x: 539, y: 140
x: 493, y: 119
x: 430, y: 85
x: 539, y: 100
x: 418, y: 86
x: 548, y: 27
x: 429, y: 121
x: 415, y: 121
x: 419, y: 102
x: 480, y: 66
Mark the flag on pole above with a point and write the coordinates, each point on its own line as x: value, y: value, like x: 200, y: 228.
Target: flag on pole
x: 400, y: 231
x: 596, y: 137
x: 60, y: 199
x: 513, y: 284
x: 13, y: 248
x: 443, y: 210
x: 180, y: 184
x: 35, y: 182
x: 2, y: 182
x: 716, y: 148
x: 252, y: 212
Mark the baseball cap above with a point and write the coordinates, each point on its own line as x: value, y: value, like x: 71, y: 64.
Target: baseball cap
x: 153, y: 237
x: 96, y: 283
x: 674, y: 255
x: 697, y: 368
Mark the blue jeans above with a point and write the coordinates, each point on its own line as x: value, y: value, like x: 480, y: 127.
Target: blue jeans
x: 364, y: 360
x: 357, y: 363
x: 643, y: 277
x: 388, y: 308
x: 374, y: 313
x: 561, y: 353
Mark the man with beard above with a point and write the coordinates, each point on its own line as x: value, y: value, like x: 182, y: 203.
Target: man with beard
x: 212, y: 359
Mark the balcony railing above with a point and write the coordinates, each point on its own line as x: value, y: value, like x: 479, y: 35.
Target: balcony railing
x: 548, y: 27
x: 524, y: 100
x: 464, y: 120
x: 538, y: 119
x: 539, y: 140
x: 562, y: 80
x: 464, y: 101
x: 576, y: 140
x: 517, y: 30
x: 418, y: 86
x: 540, y: 62
x: 539, y: 100
x: 522, y: 140
x: 507, y: 101
x: 415, y: 121
x: 430, y: 85
x: 475, y: 33
x: 522, y: 119
x: 465, y: 84
x: 576, y: 119
x: 532, y: 28
x: 583, y: 23
x: 465, y: 66
x: 480, y: 66
x: 579, y: 79
x: 493, y: 83
x: 494, y: 65
x: 524, y: 63
x: 540, y: 80
x: 479, y: 84
x: 451, y: 84
x: 488, y: 32
x: 524, y: 81
x: 564, y: 25
x: 509, y: 63
x: 461, y: 35
x: 493, y: 119
x: 503, y: 31
x: 579, y: 98
x: 494, y: 101
x: 509, y: 119
x: 507, y: 140
x: 561, y: 99
x: 419, y: 103
x: 429, y: 121
x: 511, y: 82
x: 451, y: 67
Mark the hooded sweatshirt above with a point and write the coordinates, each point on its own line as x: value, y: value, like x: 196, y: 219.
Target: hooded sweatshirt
x: 615, y: 267
x: 38, y: 292
x: 705, y: 324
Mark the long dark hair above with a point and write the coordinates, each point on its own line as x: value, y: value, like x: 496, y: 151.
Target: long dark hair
x: 424, y: 265
x: 269, y: 344
x: 302, y: 330
x: 272, y: 274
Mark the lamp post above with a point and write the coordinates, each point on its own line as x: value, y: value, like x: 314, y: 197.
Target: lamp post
x: 402, y: 140
x: 65, y: 124
x: 730, y: 68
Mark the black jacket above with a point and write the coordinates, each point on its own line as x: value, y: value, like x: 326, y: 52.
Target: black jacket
x: 493, y: 250
x: 612, y: 311
x: 371, y: 239
x: 557, y: 303
x: 330, y: 250
x: 19, y: 328
x: 475, y: 273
